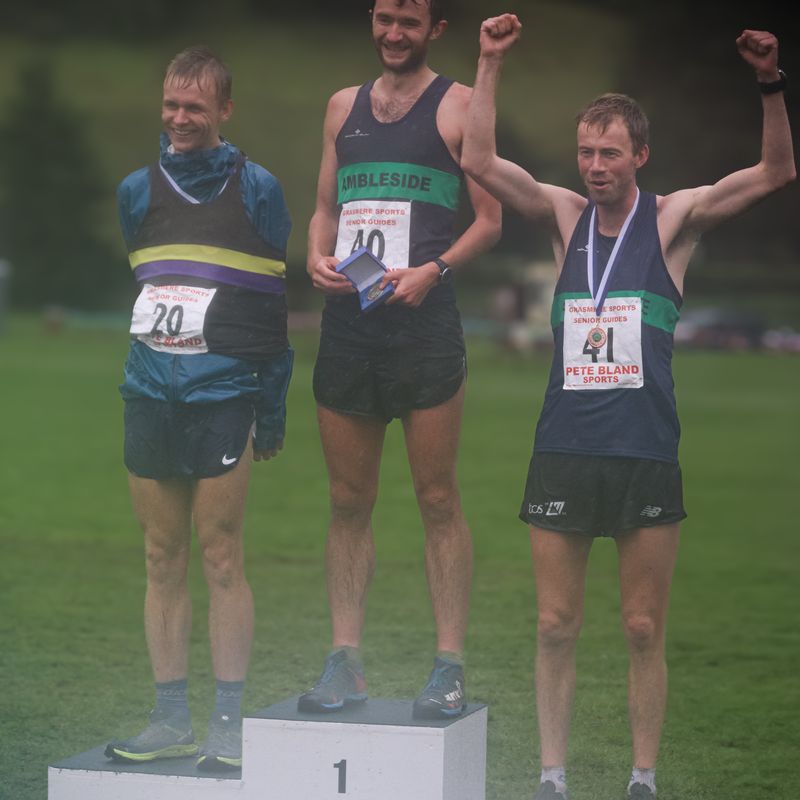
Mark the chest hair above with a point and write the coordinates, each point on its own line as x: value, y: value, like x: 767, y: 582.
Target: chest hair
x: 392, y: 109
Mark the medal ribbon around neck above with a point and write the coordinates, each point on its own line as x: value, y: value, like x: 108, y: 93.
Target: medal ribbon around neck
x: 600, y: 296
x: 185, y: 195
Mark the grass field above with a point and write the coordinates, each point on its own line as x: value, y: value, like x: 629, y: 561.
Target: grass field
x: 72, y: 657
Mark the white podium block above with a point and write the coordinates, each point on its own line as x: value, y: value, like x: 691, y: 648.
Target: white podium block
x: 92, y: 776
x: 372, y: 751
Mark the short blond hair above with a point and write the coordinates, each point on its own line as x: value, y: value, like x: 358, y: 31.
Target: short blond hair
x: 195, y: 63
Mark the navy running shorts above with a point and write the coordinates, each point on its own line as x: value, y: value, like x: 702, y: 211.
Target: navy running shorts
x: 185, y: 440
x: 390, y: 361
x: 601, y: 495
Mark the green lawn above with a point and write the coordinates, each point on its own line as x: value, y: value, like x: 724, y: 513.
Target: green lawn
x: 73, y: 663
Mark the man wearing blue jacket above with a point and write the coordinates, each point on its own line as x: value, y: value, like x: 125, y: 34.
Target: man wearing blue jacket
x: 204, y: 387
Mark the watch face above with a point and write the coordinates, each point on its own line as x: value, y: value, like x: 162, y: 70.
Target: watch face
x: 444, y: 275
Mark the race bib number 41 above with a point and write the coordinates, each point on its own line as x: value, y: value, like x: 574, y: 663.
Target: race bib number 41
x: 171, y: 318
x: 382, y: 226
x: 603, y: 351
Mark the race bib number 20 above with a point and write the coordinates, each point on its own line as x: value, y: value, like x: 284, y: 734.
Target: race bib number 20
x: 382, y: 226
x: 603, y: 351
x: 171, y: 318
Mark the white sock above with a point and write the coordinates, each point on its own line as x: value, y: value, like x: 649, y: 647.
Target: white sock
x: 645, y: 776
x: 557, y: 776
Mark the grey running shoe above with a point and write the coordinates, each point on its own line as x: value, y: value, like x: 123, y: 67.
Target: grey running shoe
x: 223, y: 746
x: 342, y: 682
x: 444, y: 695
x: 169, y: 735
x: 547, y: 791
x: 640, y: 791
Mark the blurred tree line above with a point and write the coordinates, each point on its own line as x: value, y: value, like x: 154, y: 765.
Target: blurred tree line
x: 52, y: 188
x: 682, y: 53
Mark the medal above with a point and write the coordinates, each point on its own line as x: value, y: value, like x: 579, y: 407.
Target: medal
x: 596, y: 338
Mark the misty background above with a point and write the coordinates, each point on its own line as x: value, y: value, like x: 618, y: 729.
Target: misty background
x: 80, y: 90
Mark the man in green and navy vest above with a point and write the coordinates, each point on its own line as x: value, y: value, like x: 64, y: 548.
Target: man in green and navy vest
x: 605, y: 453
x: 390, y: 181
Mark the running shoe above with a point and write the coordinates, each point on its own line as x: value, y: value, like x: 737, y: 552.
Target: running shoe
x: 223, y: 746
x: 547, y: 791
x: 444, y: 695
x: 640, y: 791
x: 342, y: 683
x: 169, y: 735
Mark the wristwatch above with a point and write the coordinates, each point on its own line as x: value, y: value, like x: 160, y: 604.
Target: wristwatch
x: 445, y: 273
x: 774, y: 86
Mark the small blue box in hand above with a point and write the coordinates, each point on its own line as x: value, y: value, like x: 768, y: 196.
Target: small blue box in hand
x: 365, y: 272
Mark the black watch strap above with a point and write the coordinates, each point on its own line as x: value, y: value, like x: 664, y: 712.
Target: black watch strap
x: 774, y: 86
x: 444, y: 269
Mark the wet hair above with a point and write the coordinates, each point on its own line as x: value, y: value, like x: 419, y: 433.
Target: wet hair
x: 603, y: 110
x: 436, y: 7
x: 195, y: 63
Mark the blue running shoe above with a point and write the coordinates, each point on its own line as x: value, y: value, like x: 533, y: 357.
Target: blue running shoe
x: 444, y: 695
x: 342, y: 683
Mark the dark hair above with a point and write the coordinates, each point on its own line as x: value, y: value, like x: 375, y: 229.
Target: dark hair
x: 195, y: 63
x: 603, y: 110
x: 436, y: 8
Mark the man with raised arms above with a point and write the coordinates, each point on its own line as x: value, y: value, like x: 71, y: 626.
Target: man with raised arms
x: 605, y: 455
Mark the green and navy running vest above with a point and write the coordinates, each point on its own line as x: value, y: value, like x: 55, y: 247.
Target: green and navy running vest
x: 209, y: 282
x: 611, y: 390
x: 398, y: 185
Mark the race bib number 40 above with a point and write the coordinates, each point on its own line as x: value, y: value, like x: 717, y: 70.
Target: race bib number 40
x: 171, y: 318
x: 603, y: 351
x: 382, y: 226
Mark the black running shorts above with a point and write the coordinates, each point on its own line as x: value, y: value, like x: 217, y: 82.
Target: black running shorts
x: 601, y: 495
x: 390, y: 361
x: 185, y: 440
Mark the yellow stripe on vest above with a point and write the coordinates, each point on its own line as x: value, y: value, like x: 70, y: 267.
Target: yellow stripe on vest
x: 207, y: 254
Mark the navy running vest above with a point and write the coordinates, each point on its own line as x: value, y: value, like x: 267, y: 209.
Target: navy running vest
x: 398, y: 185
x: 610, y: 390
x: 212, y: 246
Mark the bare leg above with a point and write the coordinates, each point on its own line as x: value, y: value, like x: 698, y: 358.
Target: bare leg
x: 352, y: 446
x: 646, y: 562
x: 559, y: 562
x: 219, y: 508
x: 432, y: 442
x: 163, y: 509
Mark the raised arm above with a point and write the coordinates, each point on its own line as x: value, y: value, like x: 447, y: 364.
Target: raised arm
x: 685, y: 215
x: 323, y: 227
x: 507, y: 181
x: 555, y: 208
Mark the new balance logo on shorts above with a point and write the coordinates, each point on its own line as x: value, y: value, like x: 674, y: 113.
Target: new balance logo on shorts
x: 651, y: 512
x: 553, y: 508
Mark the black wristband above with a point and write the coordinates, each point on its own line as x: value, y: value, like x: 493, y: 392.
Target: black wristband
x: 774, y: 86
